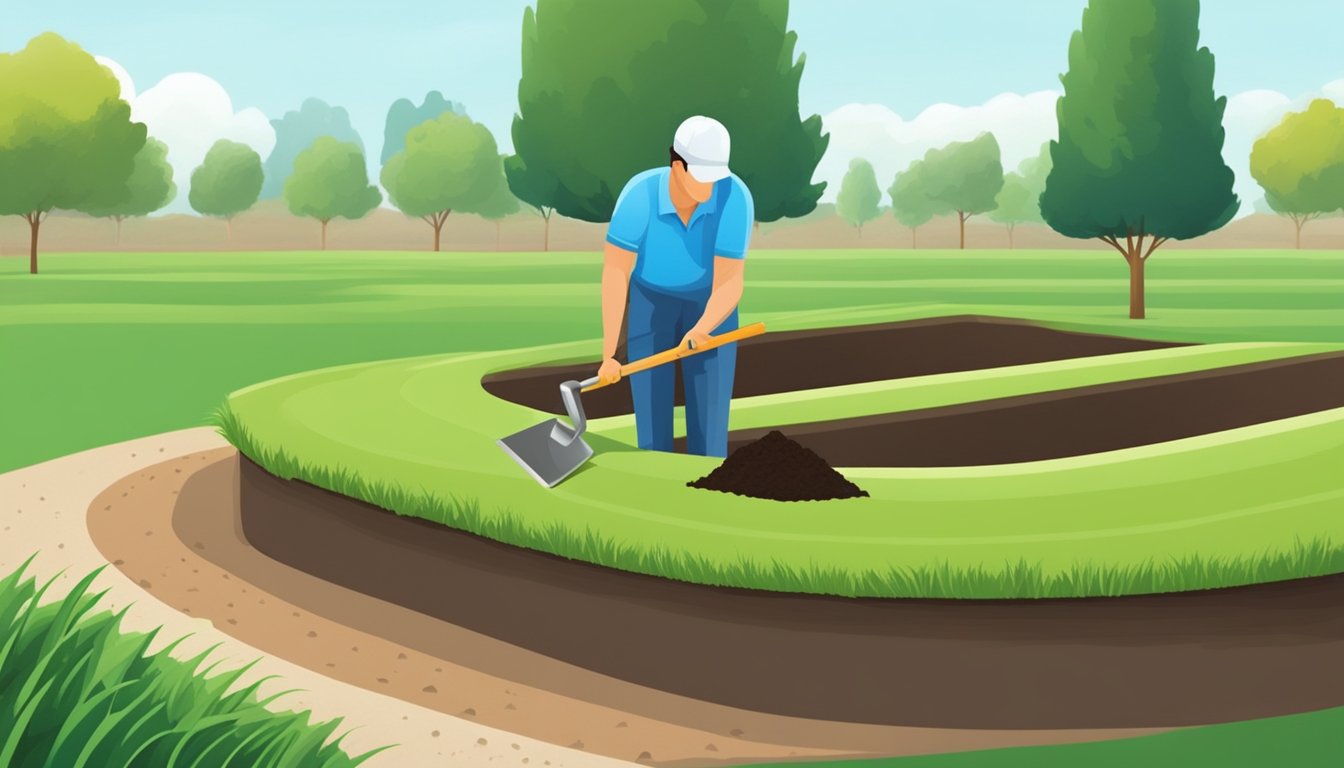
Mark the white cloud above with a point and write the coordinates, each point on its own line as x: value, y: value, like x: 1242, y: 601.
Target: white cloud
x: 189, y: 112
x: 1022, y: 124
x: 874, y: 132
x: 1248, y: 116
x: 1334, y: 91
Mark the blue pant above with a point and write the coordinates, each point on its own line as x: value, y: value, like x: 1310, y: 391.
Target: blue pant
x: 658, y: 321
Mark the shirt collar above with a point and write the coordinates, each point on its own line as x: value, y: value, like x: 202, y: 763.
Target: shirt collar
x: 665, y: 198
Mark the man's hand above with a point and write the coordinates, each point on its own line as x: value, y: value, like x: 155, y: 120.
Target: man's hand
x: 610, y: 372
x: 695, y: 338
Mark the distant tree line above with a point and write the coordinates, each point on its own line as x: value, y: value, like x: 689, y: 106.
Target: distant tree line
x: 604, y: 85
x: 73, y: 146
x: 1138, y: 160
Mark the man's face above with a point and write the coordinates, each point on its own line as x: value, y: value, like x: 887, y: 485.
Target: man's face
x: 699, y: 191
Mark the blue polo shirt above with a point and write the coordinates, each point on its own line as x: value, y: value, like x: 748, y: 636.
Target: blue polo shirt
x: 677, y: 258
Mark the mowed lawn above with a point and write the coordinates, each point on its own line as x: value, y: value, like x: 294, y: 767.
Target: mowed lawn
x: 105, y: 347
x: 110, y: 346
x: 417, y: 436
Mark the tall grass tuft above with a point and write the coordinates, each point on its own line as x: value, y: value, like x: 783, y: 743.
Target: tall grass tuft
x: 1022, y: 579
x: 75, y: 692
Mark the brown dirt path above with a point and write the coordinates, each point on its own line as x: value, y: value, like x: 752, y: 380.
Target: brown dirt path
x: 43, y: 508
x: 188, y: 548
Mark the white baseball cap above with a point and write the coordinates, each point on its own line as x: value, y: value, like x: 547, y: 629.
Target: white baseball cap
x: 703, y: 144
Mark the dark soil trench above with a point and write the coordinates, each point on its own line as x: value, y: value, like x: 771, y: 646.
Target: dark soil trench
x: 784, y: 361
x: 1048, y: 425
x: 1075, y: 422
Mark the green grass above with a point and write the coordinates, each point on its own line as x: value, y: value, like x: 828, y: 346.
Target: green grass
x: 1313, y: 740
x: 1012, y: 579
x: 1235, y: 507
x: 113, y: 346
x: 75, y: 692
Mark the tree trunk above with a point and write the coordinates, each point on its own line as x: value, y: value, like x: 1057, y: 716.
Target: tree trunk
x: 118, y: 220
x: 1010, y: 237
x: 324, y: 233
x: 860, y: 228
x: 914, y: 238
x: 546, y: 233
x: 228, y: 228
x: 1298, y: 223
x: 1135, y: 256
x: 1136, y: 308
x: 438, y: 227
x: 34, y: 221
x: 498, y: 225
x: 961, y: 222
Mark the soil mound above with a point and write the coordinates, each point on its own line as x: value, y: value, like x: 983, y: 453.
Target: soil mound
x: 775, y: 467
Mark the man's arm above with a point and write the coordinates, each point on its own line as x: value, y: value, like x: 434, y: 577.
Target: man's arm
x: 617, y: 264
x: 723, y: 299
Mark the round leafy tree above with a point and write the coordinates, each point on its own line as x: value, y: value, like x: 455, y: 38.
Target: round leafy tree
x: 1300, y: 164
x: 149, y: 188
x: 330, y: 179
x: 227, y: 182
x: 857, y: 201
x: 450, y: 163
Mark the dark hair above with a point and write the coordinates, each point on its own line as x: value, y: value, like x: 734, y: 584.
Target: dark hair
x: 675, y: 158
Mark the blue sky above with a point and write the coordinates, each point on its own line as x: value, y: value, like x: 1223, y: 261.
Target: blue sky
x: 903, y: 54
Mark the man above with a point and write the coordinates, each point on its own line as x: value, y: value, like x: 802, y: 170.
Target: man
x: 673, y: 259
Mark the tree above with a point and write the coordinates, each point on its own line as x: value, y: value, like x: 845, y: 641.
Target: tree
x: 1300, y: 164
x: 606, y: 82
x: 1014, y: 204
x: 403, y: 115
x: 1019, y: 200
x: 499, y: 204
x: 450, y: 163
x: 297, y: 131
x: 330, y: 179
x: 149, y: 188
x: 227, y: 182
x: 535, y: 187
x: 66, y: 137
x: 858, y: 197
x: 909, y: 202
x: 1139, y: 156
x: 963, y: 178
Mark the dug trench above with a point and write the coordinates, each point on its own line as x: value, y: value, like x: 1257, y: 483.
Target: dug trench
x: 1074, y: 422
x: 1129, y: 662
x: 784, y: 361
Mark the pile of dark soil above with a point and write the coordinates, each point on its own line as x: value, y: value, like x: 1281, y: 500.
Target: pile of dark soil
x: 775, y: 467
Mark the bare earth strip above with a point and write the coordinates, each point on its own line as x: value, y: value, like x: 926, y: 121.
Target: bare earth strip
x: 163, y: 509
x: 43, y: 509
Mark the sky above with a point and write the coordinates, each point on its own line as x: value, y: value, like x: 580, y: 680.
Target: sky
x: 875, y: 68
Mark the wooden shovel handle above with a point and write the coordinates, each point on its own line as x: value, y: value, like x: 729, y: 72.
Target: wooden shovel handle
x: 676, y: 353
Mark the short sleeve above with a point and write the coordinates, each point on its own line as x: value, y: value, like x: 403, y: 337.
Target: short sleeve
x: 739, y: 212
x: 630, y: 219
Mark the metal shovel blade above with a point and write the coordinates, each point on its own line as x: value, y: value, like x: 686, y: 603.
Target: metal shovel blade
x: 547, y: 459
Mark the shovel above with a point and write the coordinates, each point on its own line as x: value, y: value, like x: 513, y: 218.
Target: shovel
x: 552, y: 450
